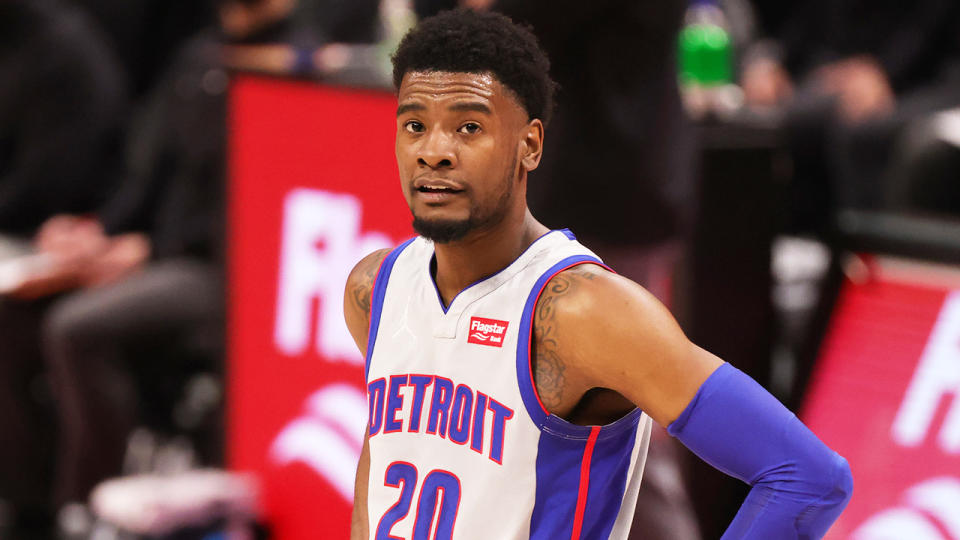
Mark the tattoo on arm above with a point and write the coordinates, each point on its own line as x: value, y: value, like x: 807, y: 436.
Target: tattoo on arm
x: 549, y: 366
x: 361, y: 293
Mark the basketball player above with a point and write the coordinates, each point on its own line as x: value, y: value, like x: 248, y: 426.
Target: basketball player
x: 512, y: 378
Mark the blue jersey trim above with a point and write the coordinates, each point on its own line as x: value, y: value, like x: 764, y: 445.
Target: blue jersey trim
x: 560, y: 478
x: 543, y: 419
x: 609, y: 468
x: 558, y: 467
x: 376, y: 300
x: 445, y: 308
x: 525, y: 334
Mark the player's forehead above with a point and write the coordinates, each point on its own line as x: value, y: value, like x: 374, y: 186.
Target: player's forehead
x: 448, y: 87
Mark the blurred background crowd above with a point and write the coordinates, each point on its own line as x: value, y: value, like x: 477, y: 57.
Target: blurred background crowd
x: 113, y: 131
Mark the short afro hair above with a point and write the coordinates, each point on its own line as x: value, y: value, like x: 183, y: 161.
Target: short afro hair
x: 466, y: 41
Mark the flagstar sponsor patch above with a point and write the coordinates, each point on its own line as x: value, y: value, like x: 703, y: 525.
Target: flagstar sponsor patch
x: 487, y: 331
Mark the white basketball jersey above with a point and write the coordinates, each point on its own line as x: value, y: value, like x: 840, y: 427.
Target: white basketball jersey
x: 460, y: 445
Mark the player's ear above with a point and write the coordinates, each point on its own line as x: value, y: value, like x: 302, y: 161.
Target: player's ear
x: 531, y: 144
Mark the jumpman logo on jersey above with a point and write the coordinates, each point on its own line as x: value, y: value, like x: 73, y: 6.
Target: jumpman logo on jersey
x: 403, y: 325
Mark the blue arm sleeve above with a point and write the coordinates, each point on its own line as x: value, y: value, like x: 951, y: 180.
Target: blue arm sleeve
x: 799, y: 485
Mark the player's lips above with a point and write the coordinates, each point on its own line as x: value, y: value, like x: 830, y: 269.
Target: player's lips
x: 436, y: 190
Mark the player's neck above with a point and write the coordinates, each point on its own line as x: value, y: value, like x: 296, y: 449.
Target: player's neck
x: 459, y: 264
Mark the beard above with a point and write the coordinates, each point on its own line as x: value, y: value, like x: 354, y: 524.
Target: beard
x: 445, y: 231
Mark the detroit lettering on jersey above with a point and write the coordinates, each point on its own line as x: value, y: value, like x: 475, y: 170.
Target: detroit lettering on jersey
x: 456, y: 413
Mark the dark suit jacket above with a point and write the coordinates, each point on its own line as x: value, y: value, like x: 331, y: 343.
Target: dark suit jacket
x: 62, y: 101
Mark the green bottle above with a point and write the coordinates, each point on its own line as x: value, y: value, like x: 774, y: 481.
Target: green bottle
x: 705, y: 50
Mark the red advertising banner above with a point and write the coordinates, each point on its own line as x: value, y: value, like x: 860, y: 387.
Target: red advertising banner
x: 313, y: 187
x: 886, y: 395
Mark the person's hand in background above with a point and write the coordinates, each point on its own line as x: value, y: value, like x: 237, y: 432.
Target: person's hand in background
x: 861, y: 86
x: 125, y: 255
x: 71, y: 241
x: 76, y: 252
x: 66, y: 247
x: 476, y: 5
x: 765, y: 83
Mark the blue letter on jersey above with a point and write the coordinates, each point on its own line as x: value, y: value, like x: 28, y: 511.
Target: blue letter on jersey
x: 419, y: 384
x: 376, y: 389
x: 501, y: 414
x: 479, y: 413
x: 394, y: 403
x: 440, y: 406
x: 460, y: 415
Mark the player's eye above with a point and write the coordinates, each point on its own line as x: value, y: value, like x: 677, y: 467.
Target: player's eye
x: 470, y: 128
x: 413, y: 126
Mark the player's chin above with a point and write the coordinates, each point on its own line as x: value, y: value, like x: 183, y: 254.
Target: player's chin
x: 441, y: 230
x: 445, y: 213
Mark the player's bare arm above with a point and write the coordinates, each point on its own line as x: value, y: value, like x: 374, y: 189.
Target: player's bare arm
x: 356, y: 312
x: 359, y: 529
x: 357, y: 295
x: 597, y: 332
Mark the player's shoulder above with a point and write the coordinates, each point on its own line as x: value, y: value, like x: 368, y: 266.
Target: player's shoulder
x: 365, y: 271
x: 358, y: 294
x: 360, y: 281
x: 580, y: 286
x: 589, y: 294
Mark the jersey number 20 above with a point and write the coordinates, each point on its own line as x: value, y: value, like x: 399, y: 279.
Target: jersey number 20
x: 437, y: 484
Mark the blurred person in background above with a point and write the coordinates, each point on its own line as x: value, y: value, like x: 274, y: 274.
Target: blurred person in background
x: 62, y: 97
x: 341, y: 21
x: 146, y: 34
x: 135, y: 292
x: 628, y: 193
x: 62, y: 100
x: 849, y: 76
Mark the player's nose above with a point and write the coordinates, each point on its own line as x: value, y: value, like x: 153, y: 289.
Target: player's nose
x: 437, y: 150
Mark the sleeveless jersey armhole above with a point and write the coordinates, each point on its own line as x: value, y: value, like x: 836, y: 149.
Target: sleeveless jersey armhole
x: 376, y: 300
x: 543, y: 419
